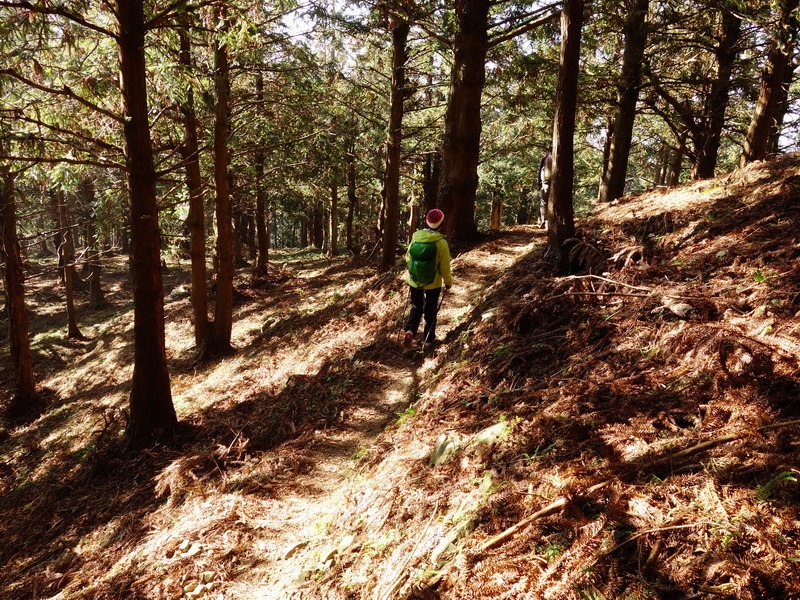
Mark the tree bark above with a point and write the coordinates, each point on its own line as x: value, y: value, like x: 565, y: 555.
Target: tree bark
x: 431, y: 175
x: 67, y: 251
x: 391, y: 182
x: 19, y: 337
x: 524, y: 208
x: 352, y: 198
x: 196, y: 219
x: 462, y: 128
x: 333, y: 222
x: 772, y: 78
x: 635, y: 34
x: 152, y: 414
x: 707, y: 138
x: 222, y: 327
x: 96, y: 297
x: 497, y: 211
x: 781, y: 108
x: 262, y: 203
x: 560, y: 212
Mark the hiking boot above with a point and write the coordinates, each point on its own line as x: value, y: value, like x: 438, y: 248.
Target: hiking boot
x: 408, y: 339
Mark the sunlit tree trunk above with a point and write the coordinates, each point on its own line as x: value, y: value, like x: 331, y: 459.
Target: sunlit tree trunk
x: 560, y: 212
x: 222, y: 327
x: 772, y: 77
x: 497, y: 211
x: 462, y: 127
x: 152, y: 414
x: 19, y: 338
x: 196, y: 218
x: 781, y: 108
x: 400, y: 29
x: 635, y: 34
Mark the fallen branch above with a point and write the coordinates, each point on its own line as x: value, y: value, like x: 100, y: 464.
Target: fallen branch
x: 628, y: 294
x: 551, y: 508
x: 607, y: 280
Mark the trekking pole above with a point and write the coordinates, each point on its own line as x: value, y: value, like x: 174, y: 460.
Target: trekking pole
x: 403, y: 317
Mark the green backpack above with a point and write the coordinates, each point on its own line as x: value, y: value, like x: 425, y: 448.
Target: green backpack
x: 422, y: 266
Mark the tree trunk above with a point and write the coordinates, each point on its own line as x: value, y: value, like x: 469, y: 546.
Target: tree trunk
x: 635, y: 34
x: 262, y: 205
x: 431, y: 175
x: 772, y: 77
x: 524, y: 208
x: 462, y: 127
x: 352, y: 198
x: 67, y: 251
x: 152, y: 414
x: 221, y: 328
x: 87, y: 191
x: 560, y: 212
x: 497, y: 211
x: 196, y: 218
x: 413, y: 218
x: 333, y: 223
x: 391, y: 185
x: 781, y: 108
x: 677, y: 161
x: 606, y: 155
x: 317, y: 227
x: 19, y: 338
x: 708, y: 138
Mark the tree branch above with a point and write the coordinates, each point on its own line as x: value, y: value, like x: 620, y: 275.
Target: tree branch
x: 65, y: 91
x: 60, y: 11
x: 528, y: 25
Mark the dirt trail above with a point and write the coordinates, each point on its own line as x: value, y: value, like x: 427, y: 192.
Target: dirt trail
x: 289, y: 524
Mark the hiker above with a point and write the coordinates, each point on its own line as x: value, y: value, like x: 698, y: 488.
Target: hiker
x: 428, y: 260
x: 543, y: 182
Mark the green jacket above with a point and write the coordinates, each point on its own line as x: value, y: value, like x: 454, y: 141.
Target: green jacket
x: 442, y: 258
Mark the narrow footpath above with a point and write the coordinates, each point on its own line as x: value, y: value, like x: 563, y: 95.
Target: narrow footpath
x: 287, y: 526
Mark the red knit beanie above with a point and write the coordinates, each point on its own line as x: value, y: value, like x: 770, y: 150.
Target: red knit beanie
x: 434, y: 218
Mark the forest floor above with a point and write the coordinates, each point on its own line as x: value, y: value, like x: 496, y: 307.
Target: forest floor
x: 627, y: 431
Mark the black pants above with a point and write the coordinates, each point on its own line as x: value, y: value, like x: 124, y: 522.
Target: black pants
x: 423, y: 303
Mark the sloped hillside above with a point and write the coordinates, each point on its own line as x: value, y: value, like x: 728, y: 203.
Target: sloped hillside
x: 629, y: 432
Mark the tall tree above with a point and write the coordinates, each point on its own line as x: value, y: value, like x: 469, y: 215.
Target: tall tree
x: 190, y: 153
x: 262, y: 200
x: 399, y: 28
x: 634, y: 32
x: 221, y: 328
x: 66, y: 252
x: 462, y: 130
x: 152, y: 414
x: 560, y: 211
x: 783, y: 38
x: 458, y: 181
x: 25, y: 387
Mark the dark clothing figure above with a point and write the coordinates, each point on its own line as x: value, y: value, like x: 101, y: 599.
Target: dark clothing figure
x: 543, y: 182
x: 424, y: 298
x: 424, y: 303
